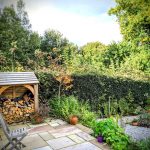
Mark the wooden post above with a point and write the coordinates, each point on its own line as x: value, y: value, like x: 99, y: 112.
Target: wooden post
x: 14, y: 92
x: 36, y: 100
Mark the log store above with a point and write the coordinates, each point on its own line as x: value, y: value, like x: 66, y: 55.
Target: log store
x: 18, y: 95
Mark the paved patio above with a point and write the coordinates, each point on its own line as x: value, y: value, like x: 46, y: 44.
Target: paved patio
x: 56, y: 134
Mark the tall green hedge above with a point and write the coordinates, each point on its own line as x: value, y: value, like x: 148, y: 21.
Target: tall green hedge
x: 97, y: 89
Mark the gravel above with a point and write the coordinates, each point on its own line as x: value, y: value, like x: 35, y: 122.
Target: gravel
x: 137, y: 133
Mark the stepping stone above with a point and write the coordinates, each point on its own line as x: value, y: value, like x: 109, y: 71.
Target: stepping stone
x: 44, y: 148
x: 85, y: 136
x: 60, y: 143
x: 36, y: 125
x: 33, y: 141
x: 46, y: 136
x: 47, y: 120
x: 83, y: 146
x: 40, y: 129
x: 61, y: 122
x: 65, y: 131
x: 53, y: 124
x: 76, y: 138
x: 84, y: 129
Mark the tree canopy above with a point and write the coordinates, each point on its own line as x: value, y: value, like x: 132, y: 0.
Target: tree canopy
x: 134, y: 19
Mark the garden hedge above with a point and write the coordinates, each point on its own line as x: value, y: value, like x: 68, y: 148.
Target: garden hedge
x: 96, y: 88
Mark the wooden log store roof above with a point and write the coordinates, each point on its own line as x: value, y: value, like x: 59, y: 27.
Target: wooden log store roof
x: 15, y: 78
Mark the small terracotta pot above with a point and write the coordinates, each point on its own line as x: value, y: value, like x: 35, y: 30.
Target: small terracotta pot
x: 135, y: 123
x: 73, y: 120
x: 39, y: 119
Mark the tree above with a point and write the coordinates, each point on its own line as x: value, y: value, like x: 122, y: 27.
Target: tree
x: 11, y: 31
x: 93, y: 54
x: 53, y: 39
x: 23, y: 15
x: 116, y: 54
x: 134, y: 19
x: 14, y: 28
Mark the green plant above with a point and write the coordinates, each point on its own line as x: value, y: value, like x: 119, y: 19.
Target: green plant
x: 138, y: 110
x: 112, y: 133
x: 139, y: 145
x: 135, y: 120
x: 64, y: 107
x: 144, y: 120
x: 86, y: 116
x: 124, y: 106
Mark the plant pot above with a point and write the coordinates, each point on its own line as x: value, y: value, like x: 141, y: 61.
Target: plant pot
x: 36, y: 119
x: 73, y: 120
x: 100, y: 139
x: 135, y: 123
x: 39, y: 120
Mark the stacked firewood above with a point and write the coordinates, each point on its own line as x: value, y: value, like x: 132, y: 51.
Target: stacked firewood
x: 16, y: 111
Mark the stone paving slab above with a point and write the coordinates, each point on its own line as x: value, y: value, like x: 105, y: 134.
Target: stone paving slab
x: 83, y: 146
x: 14, y: 127
x: 85, y: 136
x: 102, y: 146
x: 54, y: 124
x: 76, y: 138
x: 40, y: 129
x: 44, y: 148
x: 61, y: 122
x: 85, y: 129
x: 65, y: 131
x: 47, y: 120
x: 60, y: 143
x: 46, y: 136
x: 33, y: 141
x: 36, y: 125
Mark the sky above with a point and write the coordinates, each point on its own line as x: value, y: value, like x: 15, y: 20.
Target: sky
x: 80, y: 21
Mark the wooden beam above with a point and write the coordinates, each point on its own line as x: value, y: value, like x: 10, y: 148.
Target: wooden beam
x: 36, y: 100
x: 30, y: 88
x: 2, y: 89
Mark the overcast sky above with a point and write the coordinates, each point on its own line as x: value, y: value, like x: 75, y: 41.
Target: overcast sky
x: 80, y: 21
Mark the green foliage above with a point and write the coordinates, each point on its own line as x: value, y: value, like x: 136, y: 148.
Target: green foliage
x: 48, y: 87
x: 125, y: 95
x: 86, y: 116
x: 92, y: 54
x: 112, y: 133
x: 134, y: 19
x: 116, y: 54
x: 15, y: 28
x: 144, y: 120
x: 64, y: 107
x: 139, y: 145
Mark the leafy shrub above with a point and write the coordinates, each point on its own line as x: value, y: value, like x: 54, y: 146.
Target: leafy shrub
x: 112, y: 133
x: 48, y: 86
x: 86, y: 116
x: 139, y: 145
x: 144, y: 120
x: 64, y: 107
